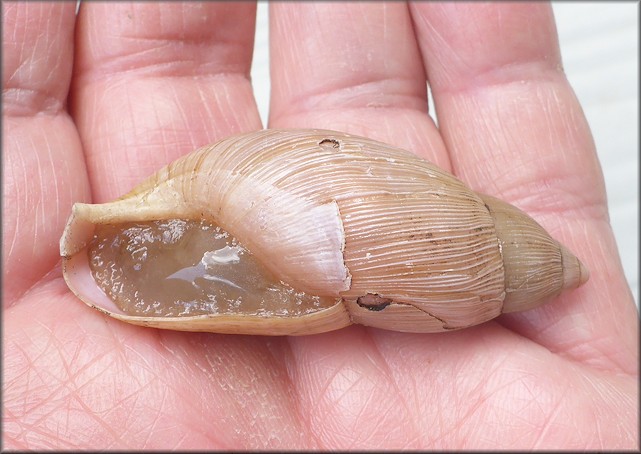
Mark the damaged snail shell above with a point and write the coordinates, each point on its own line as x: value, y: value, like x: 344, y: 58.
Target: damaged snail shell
x: 296, y: 232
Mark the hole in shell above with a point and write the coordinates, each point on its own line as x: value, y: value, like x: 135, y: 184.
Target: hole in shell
x: 373, y: 302
x: 329, y: 144
x: 179, y: 267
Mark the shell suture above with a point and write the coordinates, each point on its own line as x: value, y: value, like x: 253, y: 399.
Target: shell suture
x: 398, y: 242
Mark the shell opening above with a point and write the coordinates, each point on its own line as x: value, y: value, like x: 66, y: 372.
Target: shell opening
x: 182, y: 268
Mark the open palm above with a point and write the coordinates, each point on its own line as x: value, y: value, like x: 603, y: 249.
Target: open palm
x: 95, y: 103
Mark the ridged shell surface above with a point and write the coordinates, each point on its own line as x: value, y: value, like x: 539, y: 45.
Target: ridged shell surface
x: 338, y: 215
x: 406, y: 245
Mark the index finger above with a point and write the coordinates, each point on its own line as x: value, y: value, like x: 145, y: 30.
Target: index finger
x: 155, y: 81
x: 43, y: 167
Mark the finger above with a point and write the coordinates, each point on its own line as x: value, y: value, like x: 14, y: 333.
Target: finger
x: 515, y: 129
x: 157, y: 80
x: 352, y: 67
x: 43, y: 167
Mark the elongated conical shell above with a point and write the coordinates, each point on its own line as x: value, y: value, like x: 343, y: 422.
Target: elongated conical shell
x: 406, y: 245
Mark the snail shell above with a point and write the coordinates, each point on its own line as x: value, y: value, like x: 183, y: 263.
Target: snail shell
x: 393, y: 241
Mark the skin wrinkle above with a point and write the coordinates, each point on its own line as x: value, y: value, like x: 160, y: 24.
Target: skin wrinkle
x: 386, y: 369
x: 599, y: 436
x: 337, y: 438
x: 56, y: 193
x: 23, y: 377
x: 440, y: 42
x: 481, y: 396
x: 520, y: 193
x: 26, y: 434
x: 371, y: 93
x: 534, y: 400
x: 40, y: 215
x: 102, y: 136
x: 50, y: 45
x: 80, y: 390
x: 201, y: 400
x: 588, y: 356
x: 322, y: 392
x: 324, y: 397
x: 178, y: 375
x: 289, y: 397
x: 360, y: 412
x: 597, y: 356
x: 187, y: 41
x: 236, y: 390
x: 222, y: 98
x: 181, y: 113
x: 443, y: 436
x: 164, y: 132
x: 45, y: 416
x: 288, y: 401
x: 208, y: 110
x: 596, y: 391
x: 318, y: 402
x: 149, y: 430
x: 18, y: 213
x: 511, y: 64
x: 438, y: 425
x: 140, y: 425
x: 116, y: 436
x: 35, y: 173
x: 604, y: 393
x: 385, y: 25
x: 539, y: 441
x: 488, y: 396
x: 549, y: 127
x: 165, y: 69
x: 360, y: 74
x: 305, y: 422
x: 488, y: 388
x: 42, y: 167
x: 30, y: 66
x: 213, y: 51
x: 25, y: 102
x: 599, y: 398
x: 120, y: 360
x: 514, y: 73
x: 181, y: 441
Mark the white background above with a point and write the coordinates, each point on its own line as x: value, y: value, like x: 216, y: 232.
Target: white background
x: 600, y: 49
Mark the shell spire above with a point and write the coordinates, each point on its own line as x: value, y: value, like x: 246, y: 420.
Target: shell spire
x: 537, y: 267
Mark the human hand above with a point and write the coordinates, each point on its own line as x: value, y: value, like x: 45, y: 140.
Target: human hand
x: 151, y: 82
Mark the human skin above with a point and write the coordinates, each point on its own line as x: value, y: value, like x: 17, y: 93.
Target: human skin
x: 93, y: 104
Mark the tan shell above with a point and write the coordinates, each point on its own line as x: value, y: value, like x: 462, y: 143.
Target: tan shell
x: 404, y: 244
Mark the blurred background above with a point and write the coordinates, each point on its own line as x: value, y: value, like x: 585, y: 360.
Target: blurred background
x: 600, y: 50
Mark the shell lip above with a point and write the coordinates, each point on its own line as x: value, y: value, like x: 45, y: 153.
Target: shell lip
x: 77, y: 274
x: 77, y: 232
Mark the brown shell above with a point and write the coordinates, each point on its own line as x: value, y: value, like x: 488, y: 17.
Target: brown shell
x: 400, y: 243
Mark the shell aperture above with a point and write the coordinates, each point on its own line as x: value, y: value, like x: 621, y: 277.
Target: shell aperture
x: 179, y: 267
